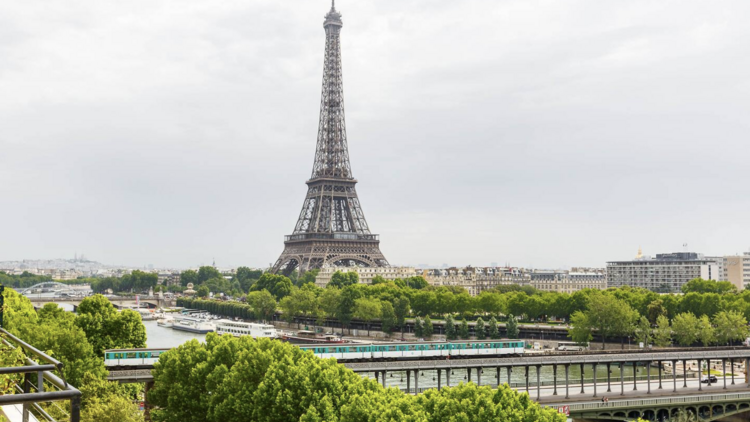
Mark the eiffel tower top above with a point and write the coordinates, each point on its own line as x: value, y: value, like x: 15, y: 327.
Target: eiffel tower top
x: 332, y: 150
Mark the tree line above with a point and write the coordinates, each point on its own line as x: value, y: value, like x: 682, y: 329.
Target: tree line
x: 79, y: 340
x: 242, y: 379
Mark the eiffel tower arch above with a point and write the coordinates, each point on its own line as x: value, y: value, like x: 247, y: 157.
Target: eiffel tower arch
x: 331, y: 228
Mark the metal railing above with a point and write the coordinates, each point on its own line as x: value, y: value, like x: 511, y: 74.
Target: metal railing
x: 639, y: 403
x: 23, y: 393
x: 331, y: 236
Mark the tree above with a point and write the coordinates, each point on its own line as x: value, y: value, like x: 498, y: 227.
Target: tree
x: 263, y: 304
x: 401, y: 308
x: 418, y: 328
x: 663, y: 332
x: 463, y: 331
x: 202, y: 291
x: 494, y: 333
x: 188, y: 276
x: 278, y: 285
x: 610, y: 316
x: 329, y: 303
x: 706, y: 334
x: 388, y: 317
x: 700, y: 285
x: 479, y: 329
x: 345, y: 312
x: 367, y: 310
x: 450, y: 328
x: 511, y: 327
x: 105, y: 401
x: 655, y: 309
x: 730, y: 326
x: 308, y: 277
x: 106, y: 328
x: 342, y: 279
x: 206, y: 273
x: 580, y: 331
x: 643, y: 331
x: 685, y: 328
x: 429, y: 329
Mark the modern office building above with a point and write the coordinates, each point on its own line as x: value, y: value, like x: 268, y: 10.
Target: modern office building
x: 664, y: 273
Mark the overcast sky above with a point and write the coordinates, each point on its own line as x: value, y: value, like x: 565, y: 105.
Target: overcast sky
x: 533, y: 133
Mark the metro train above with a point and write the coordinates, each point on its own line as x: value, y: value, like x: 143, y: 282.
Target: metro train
x: 355, y: 351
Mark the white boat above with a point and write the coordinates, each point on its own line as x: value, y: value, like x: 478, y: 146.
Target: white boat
x: 193, y: 325
x: 238, y: 329
x: 165, y: 321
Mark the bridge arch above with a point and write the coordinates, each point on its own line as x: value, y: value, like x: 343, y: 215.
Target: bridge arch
x: 47, y: 285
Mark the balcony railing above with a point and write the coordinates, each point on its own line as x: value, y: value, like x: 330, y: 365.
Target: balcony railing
x: 31, y: 391
x: 331, y: 236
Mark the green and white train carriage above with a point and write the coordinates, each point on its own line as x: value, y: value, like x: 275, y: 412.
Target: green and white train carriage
x: 131, y: 357
x: 366, y: 351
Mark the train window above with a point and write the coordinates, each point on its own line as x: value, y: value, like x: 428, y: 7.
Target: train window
x: 131, y: 355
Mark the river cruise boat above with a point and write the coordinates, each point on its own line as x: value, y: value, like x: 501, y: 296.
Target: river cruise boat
x: 165, y: 321
x: 193, y: 325
x: 238, y: 329
x: 311, y: 337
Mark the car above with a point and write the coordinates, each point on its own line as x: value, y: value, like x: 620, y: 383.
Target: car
x: 711, y: 378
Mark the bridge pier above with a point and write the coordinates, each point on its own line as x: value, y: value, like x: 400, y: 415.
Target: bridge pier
x: 498, y: 376
x: 622, y: 378
x: 526, y: 370
x: 383, y: 377
x: 582, y: 390
x: 439, y: 374
x: 635, y: 371
x: 408, y: 381
x: 468, y: 374
x: 724, y: 370
x: 448, y: 377
x: 674, y: 375
x: 747, y: 371
x: 554, y: 380
x: 538, y: 383
x: 479, y: 375
x: 648, y: 377
x: 700, y: 373
x: 684, y: 373
x: 416, y: 381
x: 609, y: 378
x: 660, y: 368
x: 567, y: 383
x: 731, y: 363
x: 509, y: 370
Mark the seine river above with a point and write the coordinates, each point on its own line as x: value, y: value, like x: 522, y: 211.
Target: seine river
x: 162, y: 337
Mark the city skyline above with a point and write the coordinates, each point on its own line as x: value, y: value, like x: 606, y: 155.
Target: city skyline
x: 542, y: 136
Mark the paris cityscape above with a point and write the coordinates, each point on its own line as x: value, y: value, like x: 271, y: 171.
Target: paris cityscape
x: 554, y: 195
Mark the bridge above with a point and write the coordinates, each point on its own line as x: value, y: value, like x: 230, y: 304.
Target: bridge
x: 151, y: 302
x: 658, y: 390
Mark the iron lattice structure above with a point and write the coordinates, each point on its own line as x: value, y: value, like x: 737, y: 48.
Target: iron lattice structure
x: 331, y: 229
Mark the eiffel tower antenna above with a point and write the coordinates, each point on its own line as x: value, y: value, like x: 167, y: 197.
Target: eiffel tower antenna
x: 331, y: 229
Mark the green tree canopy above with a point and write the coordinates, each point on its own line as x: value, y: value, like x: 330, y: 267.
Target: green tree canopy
x: 450, y: 328
x: 479, y: 329
x: 263, y: 303
x: 663, y: 332
x: 511, y: 327
x: 367, y: 310
x: 685, y: 328
x: 700, y: 285
x: 106, y: 328
x: 206, y: 273
x: 342, y: 279
x: 731, y: 326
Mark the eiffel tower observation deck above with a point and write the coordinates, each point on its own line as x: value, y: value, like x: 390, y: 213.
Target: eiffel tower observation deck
x: 331, y: 229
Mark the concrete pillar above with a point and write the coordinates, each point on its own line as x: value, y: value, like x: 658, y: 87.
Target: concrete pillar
x: 554, y: 380
x: 383, y: 378
x: 582, y: 389
x: 622, y: 378
x: 408, y: 381
x: 700, y: 373
x: 439, y: 374
x: 498, y: 376
x: 660, y: 368
x: 448, y: 377
x: 468, y: 374
x: 674, y: 375
x: 747, y: 371
x: 635, y: 371
x: 648, y: 378
x: 377, y: 376
x: 479, y: 376
x: 724, y: 370
x: 416, y: 380
x: 684, y: 374
x: 567, y: 381
x: 609, y: 377
x: 526, y: 369
x: 731, y: 363
x: 538, y: 383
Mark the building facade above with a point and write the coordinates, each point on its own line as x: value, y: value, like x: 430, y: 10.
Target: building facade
x: 664, y: 273
x: 568, y: 281
x: 366, y: 274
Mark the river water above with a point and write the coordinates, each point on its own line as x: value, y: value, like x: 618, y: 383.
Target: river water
x: 162, y: 337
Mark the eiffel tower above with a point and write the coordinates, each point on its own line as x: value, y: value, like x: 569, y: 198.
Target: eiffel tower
x: 331, y: 229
